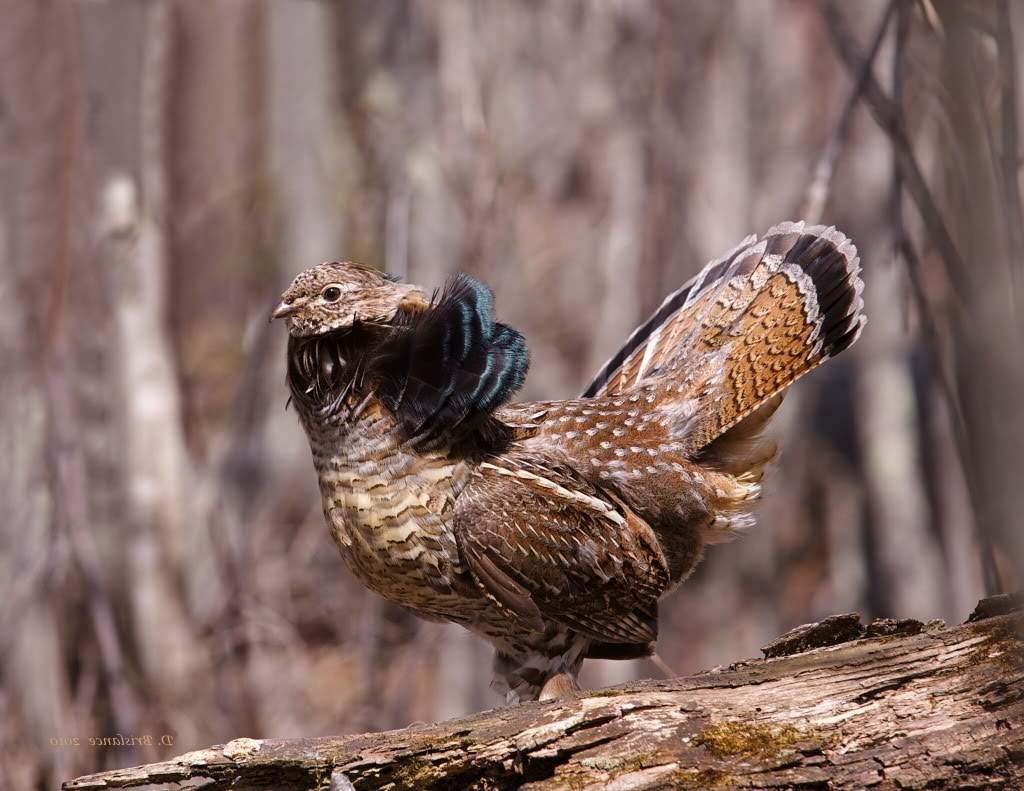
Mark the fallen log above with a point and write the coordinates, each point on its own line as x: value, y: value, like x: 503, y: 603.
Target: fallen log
x: 835, y: 705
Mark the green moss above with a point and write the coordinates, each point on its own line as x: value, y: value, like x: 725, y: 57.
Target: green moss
x: 700, y: 778
x: 731, y: 739
x: 638, y: 764
x: 418, y: 773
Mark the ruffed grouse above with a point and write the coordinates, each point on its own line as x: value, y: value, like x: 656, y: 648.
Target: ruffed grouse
x: 553, y: 528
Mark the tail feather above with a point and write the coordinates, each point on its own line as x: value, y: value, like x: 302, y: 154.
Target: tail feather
x: 742, y: 450
x: 659, y: 332
x: 745, y: 328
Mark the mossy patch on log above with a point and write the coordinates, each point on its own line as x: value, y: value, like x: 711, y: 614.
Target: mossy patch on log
x: 733, y: 739
x: 701, y: 778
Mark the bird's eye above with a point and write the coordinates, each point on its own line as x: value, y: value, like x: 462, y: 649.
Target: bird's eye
x: 331, y: 294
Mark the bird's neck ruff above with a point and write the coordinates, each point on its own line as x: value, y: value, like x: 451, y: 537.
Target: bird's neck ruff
x: 326, y: 371
x: 441, y: 372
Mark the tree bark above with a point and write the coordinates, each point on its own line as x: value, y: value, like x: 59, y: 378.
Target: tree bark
x: 898, y: 704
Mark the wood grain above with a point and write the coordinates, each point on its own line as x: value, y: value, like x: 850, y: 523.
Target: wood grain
x: 917, y: 706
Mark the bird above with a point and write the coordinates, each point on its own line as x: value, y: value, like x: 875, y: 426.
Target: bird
x: 553, y: 529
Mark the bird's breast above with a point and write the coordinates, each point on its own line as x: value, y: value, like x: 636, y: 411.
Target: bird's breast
x: 389, y: 509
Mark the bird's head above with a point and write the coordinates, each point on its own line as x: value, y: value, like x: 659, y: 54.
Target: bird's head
x: 334, y: 296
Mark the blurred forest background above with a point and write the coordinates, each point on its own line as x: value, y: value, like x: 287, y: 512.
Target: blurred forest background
x: 167, y: 166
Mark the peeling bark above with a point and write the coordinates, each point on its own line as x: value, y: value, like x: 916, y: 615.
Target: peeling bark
x: 896, y: 704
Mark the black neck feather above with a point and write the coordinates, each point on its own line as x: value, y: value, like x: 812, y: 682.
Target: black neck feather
x: 442, y: 371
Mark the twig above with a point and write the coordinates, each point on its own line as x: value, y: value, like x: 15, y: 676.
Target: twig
x: 69, y: 173
x: 663, y: 667
x: 888, y: 116
x: 26, y: 587
x: 903, y: 250
x: 979, y: 23
x: 990, y: 569
x: 72, y: 514
x: 896, y: 194
x: 63, y: 449
x: 931, y: 16
x: 1009, y: 152
x: 817, y: 192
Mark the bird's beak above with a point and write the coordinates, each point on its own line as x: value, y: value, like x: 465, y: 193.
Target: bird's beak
x: 286, y: 309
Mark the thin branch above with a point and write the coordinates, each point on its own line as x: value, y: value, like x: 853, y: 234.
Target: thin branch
x: 896, y: 193
x: 990, y: 569
x: 888, y: 116
x: 1009, y: 145
x: 968, y: 16
x: 904, y: 251
x: 71, y: 144
x: 67, y: 468
x: 817, y: 192
x: 28, y: 586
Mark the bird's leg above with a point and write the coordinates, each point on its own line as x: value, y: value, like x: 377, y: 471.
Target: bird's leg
x: 662, y: 665
x: 558, y: 686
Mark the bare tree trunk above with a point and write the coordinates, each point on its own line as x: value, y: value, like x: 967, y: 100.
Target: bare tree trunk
x: 989, y: 367
x: 898, y: 704
x: 298, y: 54
x: 135, y: 232
x: 35, y: 232
x: 907, y: 563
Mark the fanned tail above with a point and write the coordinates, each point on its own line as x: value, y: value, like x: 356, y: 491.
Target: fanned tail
x: 663, y: 329
x: 745, y: 328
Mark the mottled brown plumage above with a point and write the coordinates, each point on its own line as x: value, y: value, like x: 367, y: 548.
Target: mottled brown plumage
x: 553, y: 528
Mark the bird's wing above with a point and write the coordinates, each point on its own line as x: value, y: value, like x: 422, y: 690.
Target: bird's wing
x: 545, y: 544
